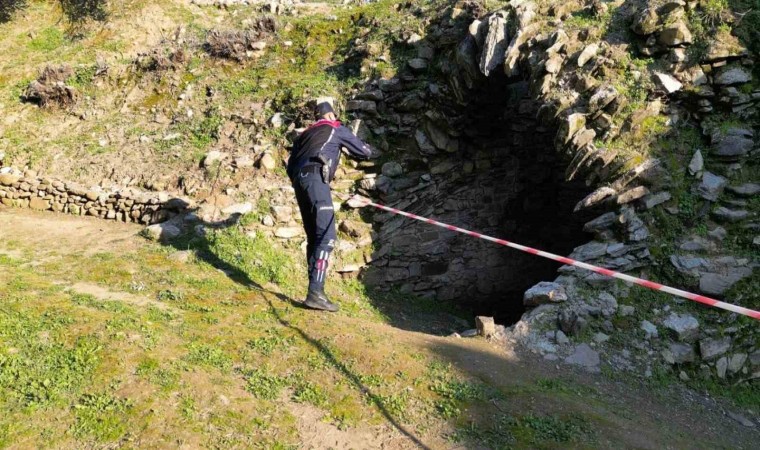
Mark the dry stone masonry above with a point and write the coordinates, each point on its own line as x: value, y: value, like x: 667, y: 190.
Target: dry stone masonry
x: 29, y: 190
x: 518, y: 80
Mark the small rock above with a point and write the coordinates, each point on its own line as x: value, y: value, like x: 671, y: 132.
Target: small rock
x: 282, y: 214
x: 717, y: 234
x: 162, y: 232
x: 182, y: 256
x: 470, y: 333
x: 627, y: 310
x: 667, y: 83
x: 721, y: 366
x: 214, y: 157
x: 736, y: 362
x: 238, y: 208
x: 697, y: 163
x: 587, y: 53
x: 584, y: 356
x: 392, y: 169
x: 679, y: 353
x: 741, y: 419
x: 733, y: 75
x: 683, y: 376
x: 418, y: 64
x: 267, y: 161
x: 650, y: 329
x: 277, y: 120
x: 675, y: 34
x: 719, y: 283
x: 712, y: 186
x: 711, y: 348
x: 730, y: 215
x: 544, y: 292
x: 486, y: 326
x: 685, y: 326
x: 243, y: 162
x: 745, y: 190
x: 657, y: 199
x: 561, y: 338
x: 288, y: 232
x: 600, y: 338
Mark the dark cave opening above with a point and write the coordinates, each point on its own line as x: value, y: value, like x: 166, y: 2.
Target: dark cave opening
x: 539, y: 210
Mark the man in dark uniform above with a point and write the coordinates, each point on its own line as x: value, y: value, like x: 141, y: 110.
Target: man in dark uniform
x: 313, y: 161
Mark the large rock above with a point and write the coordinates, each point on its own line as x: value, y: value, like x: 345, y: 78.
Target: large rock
x: 584, y: 356
x: 589, y: 251
x: 667, y: 83
x: 712, y: 186
x: 544, y: 292
x: 733, y: 143
x: 733, y: 75
x: 745, y: 190
x: 684, y: 326
x: 601, y: 98
x: 392, y: 169
x: 39, y: 204
x: 288, y: 232
x: 423, y: 142
x: 365, y: 106
x: 718, y: 283
x: 213, y: 157
x: 679, y: 353
x: 675, y: 34
x: 162, y: 232
x: 712, y: 348
x: 495, y: 44
x: 697, y: 163
x: 587, y: 54
x: 724, y: 214
x: 8, y: 179
x: 650, y: 330
x: 238, y: 208
x: 645, y: 22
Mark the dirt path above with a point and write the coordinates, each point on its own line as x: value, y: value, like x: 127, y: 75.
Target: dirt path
x: 622, y: 414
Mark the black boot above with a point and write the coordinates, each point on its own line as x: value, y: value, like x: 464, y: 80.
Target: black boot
x: 316, y: 299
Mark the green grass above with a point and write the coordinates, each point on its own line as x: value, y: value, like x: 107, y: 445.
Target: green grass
x: 101, y: 417
x: 208, y: 355
x: 47, y: 40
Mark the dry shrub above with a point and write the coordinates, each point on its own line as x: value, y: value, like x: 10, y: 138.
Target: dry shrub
x: 160, y: 60
x: 240, y: 45
x: 50, y: 88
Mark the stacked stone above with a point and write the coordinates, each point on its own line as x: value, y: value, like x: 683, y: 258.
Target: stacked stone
x: 566, y: 86
x: 28, y: 190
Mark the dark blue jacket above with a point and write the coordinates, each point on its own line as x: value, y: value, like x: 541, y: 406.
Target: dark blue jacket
x: 325, y: 138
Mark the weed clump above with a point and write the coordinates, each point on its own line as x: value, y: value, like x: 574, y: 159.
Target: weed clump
x: 240, y: 45
x: 50, y: 89
x: 160, y: 60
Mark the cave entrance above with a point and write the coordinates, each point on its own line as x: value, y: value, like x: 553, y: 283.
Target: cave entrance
x: 496, y: 171
x: 539, y: 209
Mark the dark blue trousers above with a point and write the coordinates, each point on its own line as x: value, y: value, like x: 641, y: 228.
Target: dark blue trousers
x: 315, y: 202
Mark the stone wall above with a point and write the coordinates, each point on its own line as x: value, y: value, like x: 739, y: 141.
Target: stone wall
x: 29, y: 190
x: 576, y: 86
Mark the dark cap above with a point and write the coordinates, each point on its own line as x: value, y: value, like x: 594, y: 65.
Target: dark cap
x: 324, y: 108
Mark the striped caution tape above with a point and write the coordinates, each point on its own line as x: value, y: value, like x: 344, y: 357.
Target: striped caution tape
x: 606, y: 272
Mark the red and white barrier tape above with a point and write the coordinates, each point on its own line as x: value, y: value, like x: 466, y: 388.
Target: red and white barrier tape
x: 610, y: 273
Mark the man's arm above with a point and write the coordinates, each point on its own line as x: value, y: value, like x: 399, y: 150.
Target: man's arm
x: 355, y: 146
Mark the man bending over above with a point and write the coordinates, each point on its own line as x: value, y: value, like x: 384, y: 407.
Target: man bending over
x: 313, y: 161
